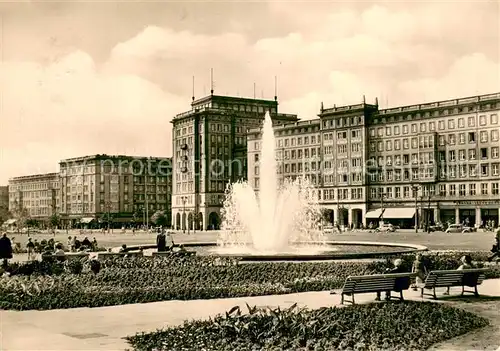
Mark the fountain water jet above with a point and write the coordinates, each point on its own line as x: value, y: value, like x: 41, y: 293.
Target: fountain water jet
x: 277, y: 220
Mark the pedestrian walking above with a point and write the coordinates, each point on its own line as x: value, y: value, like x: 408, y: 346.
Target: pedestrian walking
x: 5, y: 249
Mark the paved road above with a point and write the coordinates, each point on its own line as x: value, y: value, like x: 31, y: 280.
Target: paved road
x: 436, y: 241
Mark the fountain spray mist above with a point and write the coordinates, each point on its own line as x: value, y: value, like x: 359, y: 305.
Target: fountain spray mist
x: 279, y: 219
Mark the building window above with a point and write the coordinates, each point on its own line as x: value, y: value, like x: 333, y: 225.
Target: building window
x: 462, y: 190
x: 484, y: 188
x: 472, y: 154
x: 484, y: 153
x: 494, y: 135
x: 472, y: 121
x: 494, y: 152
x: 472, y: 137
x: 494, y: 119
x: 451, y: 124
x: 494, y: 189
x: 453, y: 190
x: 495, y: 169
x: 482, y: 120
x: 472, y: 189
x: 441, y: 125
x: 442, y: 189
x: 461, y: 123
x: 451, y: 139
x: 405, y: 129
x: 483, y: 136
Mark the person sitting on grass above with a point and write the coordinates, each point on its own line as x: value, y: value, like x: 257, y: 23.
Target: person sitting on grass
x: 181, y: 248
x: 123, y: 248
x: 420, y: 269
x: 398, y: 268
x: 466, y: 264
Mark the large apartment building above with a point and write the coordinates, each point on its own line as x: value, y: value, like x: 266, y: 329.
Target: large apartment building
x: 36, y: 196
x: 438, y: 161
x: 209, y: 150
x: 128, y: 189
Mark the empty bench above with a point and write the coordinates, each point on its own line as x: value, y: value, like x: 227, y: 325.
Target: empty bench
x: 376, y: 283
x: 445, y: 279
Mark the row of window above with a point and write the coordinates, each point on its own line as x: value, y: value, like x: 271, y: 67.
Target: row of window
x: 426, y: 126
x: 36, y: 186
x: 452, y: 190
x: 343, y: 122
x: 470, y: 154
x: 428, y: 157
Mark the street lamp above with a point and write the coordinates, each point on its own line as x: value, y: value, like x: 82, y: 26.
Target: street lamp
x: 108, y: 208
x: 415, y: 188
x: 184, y: 199
x: 382, y: 196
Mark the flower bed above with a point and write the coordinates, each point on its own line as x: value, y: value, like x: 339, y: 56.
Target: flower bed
x: 144, y: 279
x: 394, y: 326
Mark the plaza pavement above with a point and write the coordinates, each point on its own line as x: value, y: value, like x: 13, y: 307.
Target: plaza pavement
x: 104, y: 328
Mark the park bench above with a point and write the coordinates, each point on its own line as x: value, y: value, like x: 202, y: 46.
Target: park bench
x: 374, y: 283
x: 445, y: 279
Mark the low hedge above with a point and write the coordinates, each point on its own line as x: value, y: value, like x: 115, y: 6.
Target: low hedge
x: 382, y: 326
x: 39, y: 285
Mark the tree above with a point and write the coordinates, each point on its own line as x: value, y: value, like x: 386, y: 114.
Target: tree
x: 21, y: 215
x: 4, y: 214
x: 30, y: 222
x: 106, y: 218
x: 159, y: 218
x: 54, y: 220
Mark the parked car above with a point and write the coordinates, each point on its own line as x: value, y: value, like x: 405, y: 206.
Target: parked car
x: 438, y: 227
x: 386, y: 227
x: 459, y: 228
x: 328, y: 230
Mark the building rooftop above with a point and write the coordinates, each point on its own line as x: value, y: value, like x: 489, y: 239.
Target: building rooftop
x: 233, y: 100
x: 104, y: 156
x: 34, y: 177
x: 444, y: 103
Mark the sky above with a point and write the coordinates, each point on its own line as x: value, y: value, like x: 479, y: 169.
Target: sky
x: 81, y: 78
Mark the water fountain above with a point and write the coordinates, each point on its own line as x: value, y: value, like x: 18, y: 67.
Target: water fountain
x: 279, y: 219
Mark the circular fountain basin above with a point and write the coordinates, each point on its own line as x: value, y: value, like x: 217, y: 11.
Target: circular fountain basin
x: 330, y: 250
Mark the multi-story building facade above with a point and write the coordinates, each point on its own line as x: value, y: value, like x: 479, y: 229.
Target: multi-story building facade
x: 128, y: 189
x: 437, y: 161
x: 209, y: 150
x: 35, y: 195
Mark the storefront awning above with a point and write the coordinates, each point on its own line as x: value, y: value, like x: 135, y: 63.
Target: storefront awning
x: 374, y: 213
x: 86, y: 220
x: 399, y: 213
x: 10, y: 221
